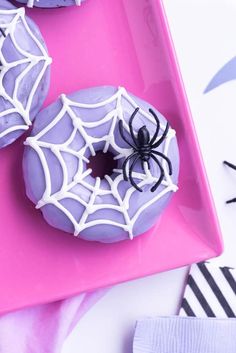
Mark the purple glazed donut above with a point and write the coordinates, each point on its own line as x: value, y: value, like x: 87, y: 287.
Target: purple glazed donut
x: 55, y: 164
x: 51, y: 3
x: 24, y: 72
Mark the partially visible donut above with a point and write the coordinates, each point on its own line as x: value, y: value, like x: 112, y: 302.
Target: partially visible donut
x: 51, y: 3
x: 55, y: 164
x: 24, y: 72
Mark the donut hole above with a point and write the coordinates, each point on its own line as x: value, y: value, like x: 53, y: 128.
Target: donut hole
x: 102, y: 164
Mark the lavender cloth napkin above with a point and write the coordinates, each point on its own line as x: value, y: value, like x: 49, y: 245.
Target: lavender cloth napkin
x: 185, y: 335
x: 44, y: 328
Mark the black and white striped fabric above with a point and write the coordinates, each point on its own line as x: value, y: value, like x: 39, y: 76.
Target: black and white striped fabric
x: 210, y: 292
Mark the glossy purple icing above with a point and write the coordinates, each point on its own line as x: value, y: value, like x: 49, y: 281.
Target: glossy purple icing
x: 51, y: 3
x: 11, y: 54
x: 35, y: 179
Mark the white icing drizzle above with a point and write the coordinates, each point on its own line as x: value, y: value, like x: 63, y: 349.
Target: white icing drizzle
x: 10, y: 19
x: 30, y: 3
x: 66, y: 192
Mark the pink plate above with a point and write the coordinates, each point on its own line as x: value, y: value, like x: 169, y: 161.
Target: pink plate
x: 116, y: 42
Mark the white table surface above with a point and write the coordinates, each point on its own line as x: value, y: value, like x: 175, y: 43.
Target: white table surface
x: 204, y: 36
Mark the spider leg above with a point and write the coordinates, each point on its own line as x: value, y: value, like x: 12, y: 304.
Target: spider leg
x: 231, y: 201
x: 161, y: 175
x: 130, y: 174
x: 121, y: 129
x: 3, y: 33
x: 230, y: 165
x: 142, y: 165
x: 233, y: 167
x: 166, y: 159
x: 162, y: 137
x: 158, y: 126
x: 131, y: 127
x: 125, y: 164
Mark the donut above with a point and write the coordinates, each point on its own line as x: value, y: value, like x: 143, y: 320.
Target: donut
x: 24, y: 72
x: 121, y: 204
x: 50, y: 3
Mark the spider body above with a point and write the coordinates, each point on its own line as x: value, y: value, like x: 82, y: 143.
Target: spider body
x: 143, y: 140
x: 144, y: 149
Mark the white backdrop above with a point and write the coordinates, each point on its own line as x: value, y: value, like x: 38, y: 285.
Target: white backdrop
x: 204, y: 36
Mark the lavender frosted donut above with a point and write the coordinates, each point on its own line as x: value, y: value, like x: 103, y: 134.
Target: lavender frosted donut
x: 51, y: 3
x: 24, y: 72
x: 65, y: 136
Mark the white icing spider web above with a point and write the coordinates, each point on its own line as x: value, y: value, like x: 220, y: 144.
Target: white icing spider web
x: 12, y: 21
x: 120, y: 203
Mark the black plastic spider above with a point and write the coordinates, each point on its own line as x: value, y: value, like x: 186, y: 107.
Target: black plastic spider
x: 144, y: 149
x: 233, y: 167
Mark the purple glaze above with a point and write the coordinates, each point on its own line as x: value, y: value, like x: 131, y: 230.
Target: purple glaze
x: 51, y: 3
x: 10, y: 54
x: 35, y: 180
